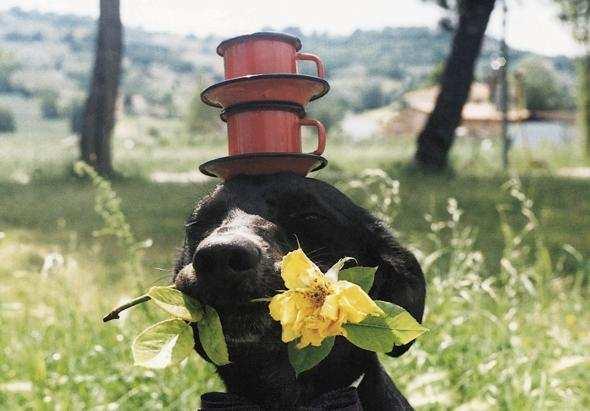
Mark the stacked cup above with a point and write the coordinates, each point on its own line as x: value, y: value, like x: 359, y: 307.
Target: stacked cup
x: 263, y: 100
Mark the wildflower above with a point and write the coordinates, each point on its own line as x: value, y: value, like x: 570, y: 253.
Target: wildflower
x: 316, y: 306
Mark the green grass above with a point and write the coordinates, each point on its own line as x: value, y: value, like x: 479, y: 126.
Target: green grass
x: 509, y: 319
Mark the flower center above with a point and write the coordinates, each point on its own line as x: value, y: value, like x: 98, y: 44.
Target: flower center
x: 317, y: 294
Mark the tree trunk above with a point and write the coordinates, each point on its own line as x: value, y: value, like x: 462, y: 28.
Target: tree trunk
x: 436, y: 139
x: 99, y: 115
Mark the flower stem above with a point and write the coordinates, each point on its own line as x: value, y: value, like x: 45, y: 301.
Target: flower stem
x: 114, y: 315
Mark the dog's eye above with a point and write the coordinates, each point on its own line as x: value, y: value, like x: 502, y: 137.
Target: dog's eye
x: 308, y: 217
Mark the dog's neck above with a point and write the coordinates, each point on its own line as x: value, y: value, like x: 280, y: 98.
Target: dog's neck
x: 260, y: 369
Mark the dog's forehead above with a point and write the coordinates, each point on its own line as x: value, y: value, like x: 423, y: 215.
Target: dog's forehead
x: 277, y: 193
x: 277, y: 187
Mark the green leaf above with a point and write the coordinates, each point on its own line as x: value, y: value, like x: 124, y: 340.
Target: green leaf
x: 211, y: 337
x: 381, y: 334
x: 163, y: 344
x: 332, y: 273
x: 405, y: 327
x: 308, y: 357
x: 390, y: 309
x: 176, y: 303
x: 372, y: 334
x: 361, y: 276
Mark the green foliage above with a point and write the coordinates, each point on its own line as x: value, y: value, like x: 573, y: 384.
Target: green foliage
x: 543, y: 90
x: 310, y: 356
x: 166, y: 343
x: 170, y: 342
x: 516, y: 350
x: 381, y: 334
x: 372, y: 96
x: 175, y: 303
x: 361, y: 276
x: 378, y: 192
x: 8, y: 65
x: 50, y: 109
x: 108, y: 207
x: 330, y: 110
x: 435, y: 75
x: 201, y: 118
x: 576, y: 13
x: 159, y: 70
x: 211, y: 337
x: 510, y: 345
x: 7, y: 121
x: 75, y: 112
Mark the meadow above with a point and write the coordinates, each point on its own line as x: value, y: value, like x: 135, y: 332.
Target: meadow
x: 506, y: 257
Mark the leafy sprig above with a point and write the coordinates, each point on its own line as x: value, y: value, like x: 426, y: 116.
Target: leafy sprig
x: 171, y: 341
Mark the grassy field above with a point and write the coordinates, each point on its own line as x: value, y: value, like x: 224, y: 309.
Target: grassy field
x: 506, y: 262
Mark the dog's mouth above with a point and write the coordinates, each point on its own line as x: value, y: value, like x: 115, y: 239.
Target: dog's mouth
x: 230, y: 292
x: 242, y: 307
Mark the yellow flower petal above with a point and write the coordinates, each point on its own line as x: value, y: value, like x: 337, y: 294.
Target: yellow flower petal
x: 314, y: 308
x: 355, y: 302
x: 298, y: 271
x: 288, y: 335
x: 330, y: 307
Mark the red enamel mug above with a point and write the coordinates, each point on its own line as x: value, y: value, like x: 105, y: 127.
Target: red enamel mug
x: 254, y: 128
x: 264, y: 53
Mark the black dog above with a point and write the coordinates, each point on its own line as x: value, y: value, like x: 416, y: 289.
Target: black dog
x: 236, y: 238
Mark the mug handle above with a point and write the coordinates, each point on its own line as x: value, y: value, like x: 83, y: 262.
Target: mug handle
x: 321, y: 133
x: 318, y: 62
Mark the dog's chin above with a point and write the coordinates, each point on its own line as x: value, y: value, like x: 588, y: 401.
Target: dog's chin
x: 221, y: 299
x: 246, y: 324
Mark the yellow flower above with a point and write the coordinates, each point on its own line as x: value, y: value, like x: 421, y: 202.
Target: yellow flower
x: 316, y: 306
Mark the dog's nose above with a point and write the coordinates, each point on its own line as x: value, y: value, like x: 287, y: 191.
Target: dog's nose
x: 227, y: 255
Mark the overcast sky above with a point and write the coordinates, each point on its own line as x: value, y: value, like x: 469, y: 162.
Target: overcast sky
x: 533, y: 25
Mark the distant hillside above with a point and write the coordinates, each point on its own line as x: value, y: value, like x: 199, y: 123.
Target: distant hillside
x: 366, y: 68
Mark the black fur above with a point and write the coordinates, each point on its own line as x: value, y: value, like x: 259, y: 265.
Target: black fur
x: 254, y: 221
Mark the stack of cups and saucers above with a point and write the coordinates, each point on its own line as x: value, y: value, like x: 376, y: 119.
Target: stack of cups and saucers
x: 263, y: 100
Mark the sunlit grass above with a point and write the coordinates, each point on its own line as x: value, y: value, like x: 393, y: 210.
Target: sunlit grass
x: 509, y: 319
x: 512, y: 339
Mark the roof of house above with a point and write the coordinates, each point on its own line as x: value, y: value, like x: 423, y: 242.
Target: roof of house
x: 479, y: 108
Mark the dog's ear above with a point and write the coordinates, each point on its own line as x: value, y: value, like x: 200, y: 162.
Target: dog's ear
x: 399, y: 278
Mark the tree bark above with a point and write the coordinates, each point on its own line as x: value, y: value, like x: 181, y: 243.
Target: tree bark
x: 437, y: 136
x: 99, y: 114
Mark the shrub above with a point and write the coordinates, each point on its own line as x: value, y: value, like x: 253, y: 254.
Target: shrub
x: 201, y: 118
x: 7, y: 67
x: 7, y: 122
x: 76, y: 115
x: 372, y: 96
x: 49, y: 105
x: 330, y: 110
x: 543, y: 89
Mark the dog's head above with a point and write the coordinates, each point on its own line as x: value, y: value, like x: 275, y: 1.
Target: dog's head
x: 237, y: 236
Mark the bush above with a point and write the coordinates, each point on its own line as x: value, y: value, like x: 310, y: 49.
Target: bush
x: 372, y: 96
x: 49, y: 105
x: 7, y: 67
x: 75, y: 112
x: 7, y: 122
x: 543, y: 89
x: 330, y: 110
x: 201, y: 118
